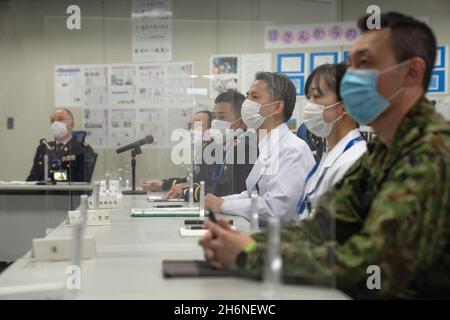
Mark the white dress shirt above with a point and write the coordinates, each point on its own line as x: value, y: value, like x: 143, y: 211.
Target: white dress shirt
x: 279, y: 174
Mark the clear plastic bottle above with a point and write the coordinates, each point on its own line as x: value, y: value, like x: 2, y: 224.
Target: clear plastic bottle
x: 272, y: 276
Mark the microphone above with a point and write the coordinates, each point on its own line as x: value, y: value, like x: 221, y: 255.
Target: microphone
x: 45, y: 143
x: 146, y: 140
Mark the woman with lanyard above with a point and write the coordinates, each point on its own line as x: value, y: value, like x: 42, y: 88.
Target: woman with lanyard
x: 325, y: 116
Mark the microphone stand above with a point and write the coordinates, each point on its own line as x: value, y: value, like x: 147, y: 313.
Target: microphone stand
x: 46, y: 168
x: 137, y: 150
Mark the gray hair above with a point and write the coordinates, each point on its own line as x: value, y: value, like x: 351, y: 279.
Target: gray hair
x: 280, y: 87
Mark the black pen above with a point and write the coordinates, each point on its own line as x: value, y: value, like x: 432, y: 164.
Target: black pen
x: 195, y: 228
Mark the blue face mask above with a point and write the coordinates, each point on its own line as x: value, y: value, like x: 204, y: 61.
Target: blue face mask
x: 359, y: 92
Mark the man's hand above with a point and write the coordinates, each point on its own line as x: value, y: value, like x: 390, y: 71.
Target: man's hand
x: 152, y: 185
x: 213, y: 203
x: 222, y: 245
x: 176, y: 191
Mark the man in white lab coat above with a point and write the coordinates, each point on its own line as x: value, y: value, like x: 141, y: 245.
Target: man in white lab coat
x: 284, y: 160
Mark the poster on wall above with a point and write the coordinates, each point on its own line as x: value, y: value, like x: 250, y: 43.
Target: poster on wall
x: 224, y: 73
x: 95, y: 123
x: 122, y: 88
x: 179, y: 78
x: 122, y: 127
x: 95, y: 86
x: 149, y: 83
x: 310, y: 35
x: 152, y: 30
x: 319, y: 58
x: 153, y: 121
x: 68, y: 86
x: 250, y: 65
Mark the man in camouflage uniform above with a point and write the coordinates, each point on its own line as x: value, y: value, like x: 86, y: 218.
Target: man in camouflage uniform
x: 392, y: 208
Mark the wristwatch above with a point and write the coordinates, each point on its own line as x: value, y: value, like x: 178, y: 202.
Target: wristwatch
x: 241, y: 259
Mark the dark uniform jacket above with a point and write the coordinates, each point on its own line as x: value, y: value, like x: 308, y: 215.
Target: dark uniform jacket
x: 75, y: 157
x: 228, y: 176
x: 201, y: 172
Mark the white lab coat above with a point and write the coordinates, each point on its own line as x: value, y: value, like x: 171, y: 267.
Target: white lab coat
x: 336, y: 162
x: 280, y: 172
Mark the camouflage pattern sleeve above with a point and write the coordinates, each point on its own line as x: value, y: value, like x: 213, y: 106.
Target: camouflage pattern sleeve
x: 390, y: 210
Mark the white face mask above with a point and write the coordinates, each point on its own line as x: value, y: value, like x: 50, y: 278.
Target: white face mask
x: 220, y: 127
x: 222, y: 124
x: 314, y: 121
x: 59, y: 129
x: 250, y: 113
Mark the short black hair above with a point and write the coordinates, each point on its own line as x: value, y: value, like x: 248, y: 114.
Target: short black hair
x: 331, y: 74
x: 208, y: 113
x: 232, y: 96
x: 280, y: 87
x: 410, y: 38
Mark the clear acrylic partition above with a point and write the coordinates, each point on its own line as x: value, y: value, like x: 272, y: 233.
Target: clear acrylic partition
x: 118, y: 100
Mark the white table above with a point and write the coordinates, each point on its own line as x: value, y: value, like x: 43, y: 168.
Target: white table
x: 27, y: 210
x: 129, y: 264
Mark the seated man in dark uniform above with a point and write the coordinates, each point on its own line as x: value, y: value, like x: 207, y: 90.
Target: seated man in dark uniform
x: 68, y: 159
x: 201, y: 171
x: 237, y: 150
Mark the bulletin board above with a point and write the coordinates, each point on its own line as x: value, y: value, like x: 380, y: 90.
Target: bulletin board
x: 125, y: 102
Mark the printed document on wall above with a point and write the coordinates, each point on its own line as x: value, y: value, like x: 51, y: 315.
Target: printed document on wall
x: 152, y: 30
x: 67, y: 86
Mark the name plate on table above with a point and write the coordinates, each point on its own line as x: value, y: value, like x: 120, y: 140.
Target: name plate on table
x: 56, y: 249
x: 188, y: 232
x: 166, y: 212
x: 106, y: 202
x: 94, y: 217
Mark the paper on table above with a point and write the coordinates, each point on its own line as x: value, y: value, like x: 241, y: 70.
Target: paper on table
x: 17, y: 182
x: 154, y: 198
x: 192, y: 233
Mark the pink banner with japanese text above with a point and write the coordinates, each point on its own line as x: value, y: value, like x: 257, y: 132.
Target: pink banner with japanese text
x: 310, y: 35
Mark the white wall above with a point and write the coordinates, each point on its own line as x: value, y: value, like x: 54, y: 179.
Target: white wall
x: 33, y: 39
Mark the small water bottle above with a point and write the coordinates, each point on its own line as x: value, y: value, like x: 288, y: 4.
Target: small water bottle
x: 45, y: 168
x: 107, y: 184
x: 96, y: 195
x: 202, y: 200
x: 191, y: 188
x: 84, y: 205
x: 254, y: 217
x: 120, y: 177
x: 273, y: 264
